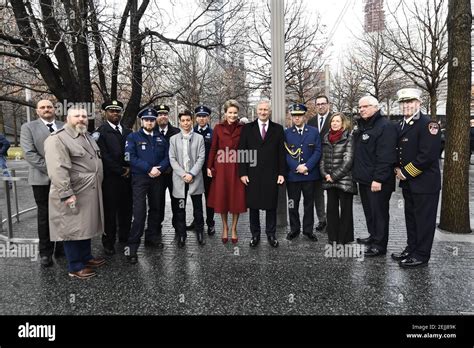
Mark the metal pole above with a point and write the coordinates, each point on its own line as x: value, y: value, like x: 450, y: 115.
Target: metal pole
x: 15, y: 195
x: 277, y: 8
x: 9, y: 211
x: 28, y: 110
x: 327, y: 80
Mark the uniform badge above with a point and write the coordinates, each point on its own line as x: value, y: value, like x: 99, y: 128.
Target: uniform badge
x: 365, y: 136
x: 208, y: 135
x: 433, y: 127
x: 95, y: 136
x: 411, y: 123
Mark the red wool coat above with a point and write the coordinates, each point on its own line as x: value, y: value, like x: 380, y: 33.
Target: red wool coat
x: 227, y: 193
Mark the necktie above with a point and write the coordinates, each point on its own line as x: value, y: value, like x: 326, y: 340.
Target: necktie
x: 264, y: 132
x: 201, y: 130
x: 50, y: 126
x: 403, y: 124
x: 118, y: 129
x: 321, y: 119
x: 300, y: 131
x: 163, y: 132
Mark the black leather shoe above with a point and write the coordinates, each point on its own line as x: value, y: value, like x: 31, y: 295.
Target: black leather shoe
x: 367, y: 240
x: 211, y: 230
x: 292, y: 235
x: 109, y: 251
x: 46, y: 261
x: 191, y: 227
x: 412, y: 262
x: 372, y: 252
x: 273, y: 242
x: 154, y: 244
x: 132, y: 259
x: 181, y: 241
x: 311, y: 236
x: 400, y: 256
x: 254, y: 241
x: 321, y: 226
x: 200, y: 237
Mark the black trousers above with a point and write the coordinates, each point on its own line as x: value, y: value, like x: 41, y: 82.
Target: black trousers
x: 209, y: 211
x: 168, y: 184
x: 46, y: 247
x: 197, y: 213
x: 117, y: 195
x: 340, y: 221
x: 294, y: 194
x: 376, y: 211
x: 420, y: 219
x: 270, y: 222
x: 144, y: 187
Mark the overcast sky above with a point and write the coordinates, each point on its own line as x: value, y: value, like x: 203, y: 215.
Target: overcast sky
x: 344, y: 19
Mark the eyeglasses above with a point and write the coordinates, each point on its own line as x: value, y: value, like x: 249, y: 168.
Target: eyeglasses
x: 321, y: 104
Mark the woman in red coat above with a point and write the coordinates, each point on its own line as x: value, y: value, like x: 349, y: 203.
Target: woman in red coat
x: 227, y: 194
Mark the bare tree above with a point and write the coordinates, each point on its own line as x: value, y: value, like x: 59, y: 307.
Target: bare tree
x: 347, y: 89
x: 67, y: 42
x: 377, y: 71
x: 455, y: 199
x: 303, y: 54
x: 417, y: 44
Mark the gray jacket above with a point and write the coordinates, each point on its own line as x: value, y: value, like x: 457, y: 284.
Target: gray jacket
x: 33, y: 135
x: 337, y: 161
x: 197, y: 154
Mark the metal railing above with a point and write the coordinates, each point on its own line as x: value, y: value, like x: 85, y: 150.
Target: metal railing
x: 13, y: 179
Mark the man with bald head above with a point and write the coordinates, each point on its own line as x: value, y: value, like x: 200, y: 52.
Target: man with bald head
x: 33, y: 135
x: 375, y: 156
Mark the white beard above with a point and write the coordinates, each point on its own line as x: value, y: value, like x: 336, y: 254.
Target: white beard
x: 80, y: 128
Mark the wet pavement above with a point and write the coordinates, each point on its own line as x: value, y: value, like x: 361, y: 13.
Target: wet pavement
x: 296, y: 278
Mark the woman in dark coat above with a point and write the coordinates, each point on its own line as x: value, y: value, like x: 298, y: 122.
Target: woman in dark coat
x: 227, y: 193
x: 336, y: 170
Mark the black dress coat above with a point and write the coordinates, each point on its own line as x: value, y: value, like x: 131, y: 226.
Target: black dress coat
x: 262, y: 189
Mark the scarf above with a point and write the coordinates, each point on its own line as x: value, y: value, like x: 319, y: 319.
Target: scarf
x: 335, y: 136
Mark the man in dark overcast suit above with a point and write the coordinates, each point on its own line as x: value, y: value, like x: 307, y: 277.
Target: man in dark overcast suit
x: 321, y: 122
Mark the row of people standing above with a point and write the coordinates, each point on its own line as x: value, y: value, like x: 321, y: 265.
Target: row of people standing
x: 235, y: 186
x: 372, y: 155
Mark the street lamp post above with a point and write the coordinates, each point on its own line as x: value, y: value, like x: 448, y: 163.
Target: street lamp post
x: 277, y: 8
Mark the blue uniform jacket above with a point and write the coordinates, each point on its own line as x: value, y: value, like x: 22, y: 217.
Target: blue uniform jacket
x: 418, y: 151
x: 146, y: 151
x: 309, y: 144
x: 375, y: 154
x: 4, y: 145
x: 207, y: 134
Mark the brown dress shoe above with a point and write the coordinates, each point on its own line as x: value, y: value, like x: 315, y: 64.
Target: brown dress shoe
x: 84, y: 273
x: 95, y: 263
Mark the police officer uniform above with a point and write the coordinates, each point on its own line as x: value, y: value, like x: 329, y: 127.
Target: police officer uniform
x: 167, y: 133
x: 146, y: 151
x: 206, y: 132
x: 419, y: 142
x: 303, y: 146
x: 117, y: 186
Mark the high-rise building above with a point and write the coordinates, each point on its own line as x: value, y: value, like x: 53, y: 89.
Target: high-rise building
x: 374, y: 16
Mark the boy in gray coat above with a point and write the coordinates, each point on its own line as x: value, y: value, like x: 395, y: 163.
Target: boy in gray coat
x: 187, y: 153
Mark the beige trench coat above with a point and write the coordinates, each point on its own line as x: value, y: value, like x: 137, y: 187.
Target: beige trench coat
x: 75, y: 168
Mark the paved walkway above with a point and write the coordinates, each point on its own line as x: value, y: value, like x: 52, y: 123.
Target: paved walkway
x: 296, y: 278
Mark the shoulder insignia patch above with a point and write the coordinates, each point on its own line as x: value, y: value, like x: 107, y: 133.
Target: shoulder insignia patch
x: 95, y: 136
x: 433, y: 128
